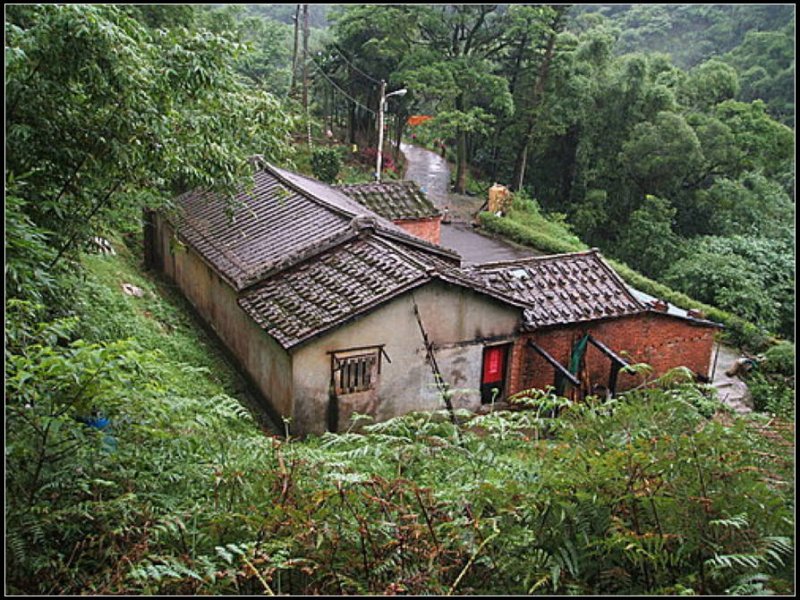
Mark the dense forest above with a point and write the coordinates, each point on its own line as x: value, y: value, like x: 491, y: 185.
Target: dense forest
x: 672, y: 169
x: 662, y: 134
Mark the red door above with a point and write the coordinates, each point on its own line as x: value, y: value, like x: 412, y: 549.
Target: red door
x: 494, y: 370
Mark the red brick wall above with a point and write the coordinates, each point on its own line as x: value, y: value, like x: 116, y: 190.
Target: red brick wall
x: 427, y: 229
x: 659, y: 340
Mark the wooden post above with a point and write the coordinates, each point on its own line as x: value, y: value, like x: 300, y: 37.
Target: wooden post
x: 612, y: 378
x: 294, y: 51
x: 305, y: 58
x: 557, y: 365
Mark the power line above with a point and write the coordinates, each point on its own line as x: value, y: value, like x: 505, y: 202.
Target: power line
x: 330, y: 81
x: 353, y: 66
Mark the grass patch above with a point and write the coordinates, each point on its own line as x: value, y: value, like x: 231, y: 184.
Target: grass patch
x: 161, y: 320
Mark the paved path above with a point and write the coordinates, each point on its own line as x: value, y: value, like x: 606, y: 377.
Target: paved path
x: 730, y: 390
x: 429, y: 171
x: 432, y: 173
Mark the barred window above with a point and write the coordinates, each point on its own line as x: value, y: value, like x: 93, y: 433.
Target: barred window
x: 355, y: 371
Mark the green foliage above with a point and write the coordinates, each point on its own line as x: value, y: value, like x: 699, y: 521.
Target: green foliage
x: 766, y: 144
x: 753, y: 277
x: 100, y: 106
x: 765, y: 61
x: 648, y: 242
x: 780, y: 359
x: 710, y: 83
x: 661, y: 154
x: 773, y: 395
x: 326, y: 164
x: 772, y: 384
x: 525, y: 224
x: 27, y: 253
x: 80, y: 498
x: 751, y: 205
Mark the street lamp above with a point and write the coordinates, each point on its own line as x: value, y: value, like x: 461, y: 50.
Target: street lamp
x: 381, y: 107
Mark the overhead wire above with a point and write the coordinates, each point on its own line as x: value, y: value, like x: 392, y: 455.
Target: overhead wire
x: 353, y: 66
x: 319, y: 70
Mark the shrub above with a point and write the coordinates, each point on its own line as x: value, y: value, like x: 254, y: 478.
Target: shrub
x: 325, y: 164
x: 772, y: 395
x: 780, y: 359
x: 369, y: 156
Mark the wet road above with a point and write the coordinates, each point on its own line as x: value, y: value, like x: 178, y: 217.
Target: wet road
x: 429, y: 171
x: 432, y: 173
x: 477, y: 248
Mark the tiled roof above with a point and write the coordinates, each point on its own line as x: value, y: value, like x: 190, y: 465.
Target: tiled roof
x: 306, y: 258
x: 313, y: 296
x: 395, y: 200
x: 563, y: 288
x: 282, y: 219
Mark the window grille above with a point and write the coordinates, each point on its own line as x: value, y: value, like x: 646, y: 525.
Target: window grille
x: 355, y: 372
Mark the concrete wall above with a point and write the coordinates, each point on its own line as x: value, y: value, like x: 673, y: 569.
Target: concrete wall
x: 659, y: 340
x: 428, y: 229
x: 269, y: 365
x: 459, y: 322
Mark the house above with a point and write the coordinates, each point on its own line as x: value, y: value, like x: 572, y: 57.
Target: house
x: 403, y: 203
x: 578, y: 295
x: 333, y: 309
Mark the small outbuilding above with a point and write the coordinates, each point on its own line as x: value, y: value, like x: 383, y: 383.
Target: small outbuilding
x: 332, y: 309
x: 401, y: 202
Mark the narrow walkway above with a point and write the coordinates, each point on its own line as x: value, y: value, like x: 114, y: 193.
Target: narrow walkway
x: 432, y: 173
x: 730, y: 390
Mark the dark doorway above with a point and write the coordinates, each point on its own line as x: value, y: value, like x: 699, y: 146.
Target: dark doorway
x: 493, y: 373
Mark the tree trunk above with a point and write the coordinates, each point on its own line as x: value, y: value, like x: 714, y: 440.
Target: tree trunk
x: 305, y: 59
x: 400, y: 126
x: 461, y: 153
x: 351, y: 113
x: 294, y: 51
x: 522, y: 163
x: 536, y: 96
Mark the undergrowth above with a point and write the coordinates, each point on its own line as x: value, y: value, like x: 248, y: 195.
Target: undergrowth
x: 183, y: 492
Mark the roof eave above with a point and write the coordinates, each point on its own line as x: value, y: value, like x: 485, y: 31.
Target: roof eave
x: 302, y: 341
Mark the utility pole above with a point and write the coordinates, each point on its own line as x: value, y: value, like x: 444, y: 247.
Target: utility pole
x: 381, y: 102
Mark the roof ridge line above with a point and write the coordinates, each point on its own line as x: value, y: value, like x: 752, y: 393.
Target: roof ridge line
x: 273, y: 170
x: 542, y: 258
x: 406, y: 238
x: 342, y: 211
x: 300, y: 256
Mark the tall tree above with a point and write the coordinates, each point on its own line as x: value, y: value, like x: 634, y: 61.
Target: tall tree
x: 451, y: 63
x: 529, y: 115
x: 100, y: 107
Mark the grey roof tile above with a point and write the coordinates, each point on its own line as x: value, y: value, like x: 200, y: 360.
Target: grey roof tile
x: 394, y: 200
x: 283, y: 218
x: 559, y: 289
x: 311, y: 297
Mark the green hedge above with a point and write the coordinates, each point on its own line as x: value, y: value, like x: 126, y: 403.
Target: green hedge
x: 738, y: 331
x: 526, y: 235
